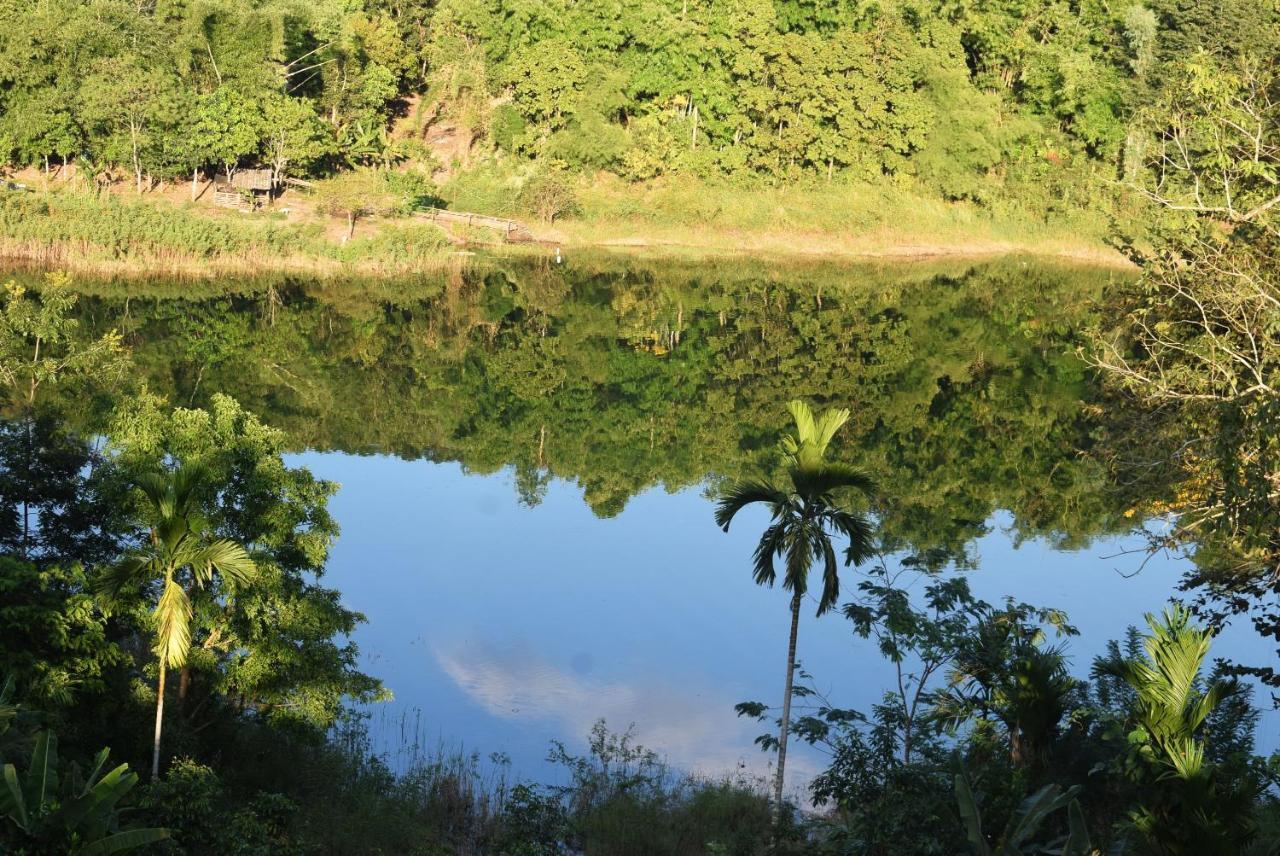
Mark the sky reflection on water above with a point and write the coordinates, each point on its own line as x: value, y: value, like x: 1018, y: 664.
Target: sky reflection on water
x: 509, y: 626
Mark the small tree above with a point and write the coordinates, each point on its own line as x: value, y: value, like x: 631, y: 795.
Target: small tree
x: 360, y: 193
x: 1186, y: 806
x: 292, y: 134
x: 225, y: 127
x: 549, y: 195
x: 38, y: 341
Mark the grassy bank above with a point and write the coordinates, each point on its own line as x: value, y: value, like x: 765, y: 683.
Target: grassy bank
x: 693, y: 217
x: 119, y: 234
x: 104, y: 233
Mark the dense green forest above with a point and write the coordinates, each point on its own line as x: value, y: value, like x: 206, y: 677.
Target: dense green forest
x: 1042, y: 103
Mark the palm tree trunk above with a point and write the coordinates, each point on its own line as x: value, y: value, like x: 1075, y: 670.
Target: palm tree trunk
x: 155, y: 747
x: 786, y: 705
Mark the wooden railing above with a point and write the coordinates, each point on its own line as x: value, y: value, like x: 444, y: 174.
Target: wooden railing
x: 510, y: 229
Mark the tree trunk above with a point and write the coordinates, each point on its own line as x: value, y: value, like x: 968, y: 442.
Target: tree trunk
x: 786, y: 706
x: 26, y: 488
x: 195, y: 180
x: 137, y: 160
x: 155, y: 746
x: 351, y: 226
x: 184, y: 682
x: 1017, y: 747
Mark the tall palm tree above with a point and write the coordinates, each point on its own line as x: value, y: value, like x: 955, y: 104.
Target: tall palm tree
x: 813, y: 504
x: 181, y: 556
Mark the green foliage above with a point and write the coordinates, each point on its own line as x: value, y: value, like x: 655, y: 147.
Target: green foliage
x: 113, y: 231
x: 811, y: 507
x: 964, y: 96
x: 600, y: 356
x: 67, y: 810
x: 506, y: 127
x: 621, y: 799
x: 362, y: 193
x: 1186, y: 805
x: 548, y: 195
x: 206, y: 818
x: 1002, y: 670
x: 38, y: 342
x: 278, y: 642
x: 53, y: 638
x: 1017, y: 837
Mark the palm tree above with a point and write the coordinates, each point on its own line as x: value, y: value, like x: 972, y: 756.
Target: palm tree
x: 1003, y: 671
x: 1186, y: 807
x: 181, y: 556
x: 811, y: 506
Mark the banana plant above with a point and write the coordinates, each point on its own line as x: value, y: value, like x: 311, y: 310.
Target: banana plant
x: 1018, y: 837
x: 74, y: 813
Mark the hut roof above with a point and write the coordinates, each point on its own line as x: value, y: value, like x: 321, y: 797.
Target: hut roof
x: 252, y: 179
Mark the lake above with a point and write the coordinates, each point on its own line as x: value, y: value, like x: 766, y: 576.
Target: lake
x: 529, y: 452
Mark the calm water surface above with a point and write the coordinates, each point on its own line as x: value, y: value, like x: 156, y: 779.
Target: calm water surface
x: 527, y: 453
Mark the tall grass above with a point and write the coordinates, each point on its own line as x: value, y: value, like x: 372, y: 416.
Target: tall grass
x: 418, y: 795
x: 884, y: 212
x: 893, y: 217
x: 82, y: 230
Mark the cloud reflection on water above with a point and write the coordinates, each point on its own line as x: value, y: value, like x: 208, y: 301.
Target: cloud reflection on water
x: 692, y: 727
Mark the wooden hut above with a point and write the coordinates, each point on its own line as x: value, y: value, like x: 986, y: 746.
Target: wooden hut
x: 247, y: 188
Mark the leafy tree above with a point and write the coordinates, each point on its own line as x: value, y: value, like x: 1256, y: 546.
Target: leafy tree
x: 224, y: 126
x: 357, y: 194
x: 293, y: 137
x: 38, y: 341
x: 181, y: 557
x: 278, y: 647
x: 919, y: 641
x: 129, y: 107
x: 51, y: 509
x: 549, y: 194
x: 809, y: 508
x: 54, y: 640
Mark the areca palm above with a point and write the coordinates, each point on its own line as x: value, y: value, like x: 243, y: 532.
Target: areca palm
x: 179, y: 557
x: 810, y: 507
x: 1187, y: 807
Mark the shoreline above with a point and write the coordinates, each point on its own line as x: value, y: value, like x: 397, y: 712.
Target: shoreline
x: 111, y: 236
x: 89, y: 259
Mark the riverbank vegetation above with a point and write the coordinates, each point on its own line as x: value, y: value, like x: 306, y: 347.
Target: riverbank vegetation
x: 109, y: 235
x: 985, y: 125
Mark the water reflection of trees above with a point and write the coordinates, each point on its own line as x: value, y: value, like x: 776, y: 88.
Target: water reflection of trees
x: 966, y: 392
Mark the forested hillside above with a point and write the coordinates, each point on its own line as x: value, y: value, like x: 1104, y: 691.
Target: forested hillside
x: 1037, y: 100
